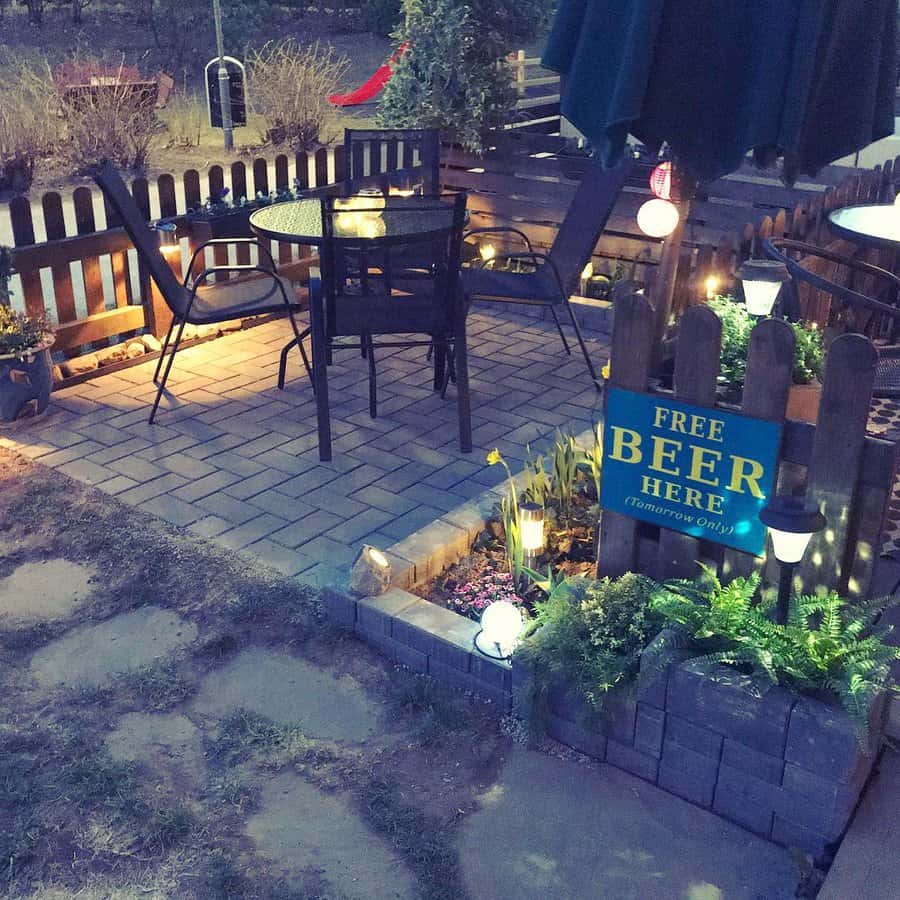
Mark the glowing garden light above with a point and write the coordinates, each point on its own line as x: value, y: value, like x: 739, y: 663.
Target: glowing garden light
x: 371, y: 572
x: 712, y: 285
x: 487, y: 251
x: 531, y: 523
x: 168, y: 238
x: 762, y: 280
x: 658, y: 218
x: 792, y: 521
x: 501, y: 625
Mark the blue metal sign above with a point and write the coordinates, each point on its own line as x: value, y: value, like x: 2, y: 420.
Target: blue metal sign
x: 703, y: 472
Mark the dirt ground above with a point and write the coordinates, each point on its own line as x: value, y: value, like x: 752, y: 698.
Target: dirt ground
x: 146, y: 782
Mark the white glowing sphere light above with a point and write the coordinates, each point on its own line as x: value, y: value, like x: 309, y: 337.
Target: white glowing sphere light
x: 501, y: 625
x: 658, y: 218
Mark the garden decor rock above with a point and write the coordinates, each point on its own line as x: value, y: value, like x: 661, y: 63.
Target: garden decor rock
x: 43, y: 592
x: 555, y: 828
x: 788, y: 768
x: 91, y: 655
x: 301, y: 828
x: 290, y: 690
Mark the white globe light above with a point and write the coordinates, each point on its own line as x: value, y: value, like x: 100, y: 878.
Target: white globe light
x: 658, y: 218
x: 501, y: 624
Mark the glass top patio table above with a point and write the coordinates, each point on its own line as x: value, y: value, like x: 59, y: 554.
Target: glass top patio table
x: 300, y: 221
x: 874, y: 225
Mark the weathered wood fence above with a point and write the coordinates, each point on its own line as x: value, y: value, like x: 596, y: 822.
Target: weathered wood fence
x: 538, y: 95
x: 849, y: 473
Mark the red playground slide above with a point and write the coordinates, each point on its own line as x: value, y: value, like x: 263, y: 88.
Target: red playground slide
x: 373, y: 86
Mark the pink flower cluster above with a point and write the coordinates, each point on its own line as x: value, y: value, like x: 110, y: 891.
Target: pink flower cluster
x: 473, y: 598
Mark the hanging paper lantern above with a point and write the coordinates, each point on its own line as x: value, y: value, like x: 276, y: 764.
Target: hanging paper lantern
x: 661, y: 181
x: 657, y: 218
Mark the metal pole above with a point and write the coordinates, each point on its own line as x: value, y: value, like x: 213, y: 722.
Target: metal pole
x: 224, y: 83
x: 785, y: 585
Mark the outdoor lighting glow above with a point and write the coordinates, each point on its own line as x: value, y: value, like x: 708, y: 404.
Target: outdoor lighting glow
x: 371, y: 573
x: 372, y: 227
x: 531, y: 519
x: 661, y: 181
x: 168, y: 239
x: 792, y: 521
x: 658, y: 218
x: 487, y: 252
x: 762, y: 280
x: 712, y: 284
x: 897, y: 200
x: 501, y: 624
x: 401, y: 192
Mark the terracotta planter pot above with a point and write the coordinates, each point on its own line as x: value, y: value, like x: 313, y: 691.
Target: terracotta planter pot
x: 803, y: 402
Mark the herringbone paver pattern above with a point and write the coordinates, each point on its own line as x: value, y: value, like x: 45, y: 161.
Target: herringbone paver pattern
x: 234, y: 460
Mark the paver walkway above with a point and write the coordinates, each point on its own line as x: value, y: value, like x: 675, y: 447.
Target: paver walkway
x: 235, y: 460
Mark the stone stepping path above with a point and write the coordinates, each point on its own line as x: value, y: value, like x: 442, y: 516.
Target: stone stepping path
x: 287, y: 689
x: 299, y: 828
x: 169, y: 740
x: 43, y: 592
x: 90, y: 655
x: 554, y: 828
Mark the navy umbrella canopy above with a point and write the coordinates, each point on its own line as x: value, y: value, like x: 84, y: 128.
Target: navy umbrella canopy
x: 810, y: 80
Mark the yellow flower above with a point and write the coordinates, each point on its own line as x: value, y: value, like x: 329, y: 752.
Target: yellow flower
x: 494, y: 457
x: 606, y: 370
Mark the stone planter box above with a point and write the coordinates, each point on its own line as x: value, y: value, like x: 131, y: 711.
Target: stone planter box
x: 786, y: 767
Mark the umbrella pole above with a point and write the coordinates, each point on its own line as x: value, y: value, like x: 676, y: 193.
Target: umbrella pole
x: 663, y: 290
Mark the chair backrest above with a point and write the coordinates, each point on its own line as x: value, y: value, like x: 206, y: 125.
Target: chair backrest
x: 585, y: 220
x: 142, y: 236
x: 411, y: 148
x: 407, y: 280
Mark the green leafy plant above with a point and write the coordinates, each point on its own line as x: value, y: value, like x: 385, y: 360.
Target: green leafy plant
x: 564, y: 472
x: 19, y: 333
x: 538, y: 488
x: 589, y: 634
x: 474, y: 597
x: 509, y: 514
x: 6, y: 272
x: 451, y: 77
x: 827, y: 645
x: 737, y: 324
x: 590, y: 460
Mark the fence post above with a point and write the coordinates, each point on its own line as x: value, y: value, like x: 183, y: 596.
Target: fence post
x: 520, y: 72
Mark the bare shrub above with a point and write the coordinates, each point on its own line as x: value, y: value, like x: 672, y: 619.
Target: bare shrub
x: 113, y: 121
x: 29, y: 131
x: 289, y: 88
x: 183, y: 120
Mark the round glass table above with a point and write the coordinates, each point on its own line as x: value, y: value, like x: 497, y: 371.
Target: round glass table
x: 869, y: 225
x: 365, y: 220
x: 300, y: 221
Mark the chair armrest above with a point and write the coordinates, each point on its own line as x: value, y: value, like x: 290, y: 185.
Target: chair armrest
x: 499, y: 230
x: 224, y: 242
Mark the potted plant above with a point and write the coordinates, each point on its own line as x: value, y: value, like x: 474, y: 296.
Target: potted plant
x: 809, y: 359
x: 25, y: 365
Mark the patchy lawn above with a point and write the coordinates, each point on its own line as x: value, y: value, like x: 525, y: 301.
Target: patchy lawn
x: 179, y: 723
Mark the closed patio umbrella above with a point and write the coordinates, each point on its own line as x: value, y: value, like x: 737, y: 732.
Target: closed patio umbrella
x: 812, y: 80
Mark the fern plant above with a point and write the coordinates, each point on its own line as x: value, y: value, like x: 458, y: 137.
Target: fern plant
x: 827, y: 645
x: 589, y: 634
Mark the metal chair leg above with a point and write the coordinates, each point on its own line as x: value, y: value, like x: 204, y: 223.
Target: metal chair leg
x: 584, y: 349
x: 165, y: 346
x: 282, y: 362
x: 373, y: 387
x: 165, y: 378
x: 559, y: 329
x: 440, y: 364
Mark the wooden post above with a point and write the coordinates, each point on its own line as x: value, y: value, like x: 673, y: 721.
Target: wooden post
x: 837, y: 457
x: 632, y: 344
x: 696, y: 375
x: 520, y: 72
x: 664, y: 284
x: 767, y: 383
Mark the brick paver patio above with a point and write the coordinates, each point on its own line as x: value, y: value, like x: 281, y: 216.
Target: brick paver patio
x: 235, y: 460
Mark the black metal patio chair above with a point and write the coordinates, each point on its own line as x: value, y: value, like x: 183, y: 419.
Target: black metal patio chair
x: 399, y: 150
x: 366, y: 296
x: 814, y: 294
x: 194, y: 301
x: 554, y: 276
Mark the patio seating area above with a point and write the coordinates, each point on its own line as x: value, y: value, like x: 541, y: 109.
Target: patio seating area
x: 235, y: 460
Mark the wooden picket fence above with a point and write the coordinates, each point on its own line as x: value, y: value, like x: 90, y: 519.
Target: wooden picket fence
x: 73, y: 258
x: 538, y: 96
x: 848, y: 472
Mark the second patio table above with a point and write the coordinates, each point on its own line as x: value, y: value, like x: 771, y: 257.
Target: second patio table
x: 300, y: 222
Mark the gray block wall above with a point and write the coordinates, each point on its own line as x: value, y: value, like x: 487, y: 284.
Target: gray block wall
x: 788, y: 768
